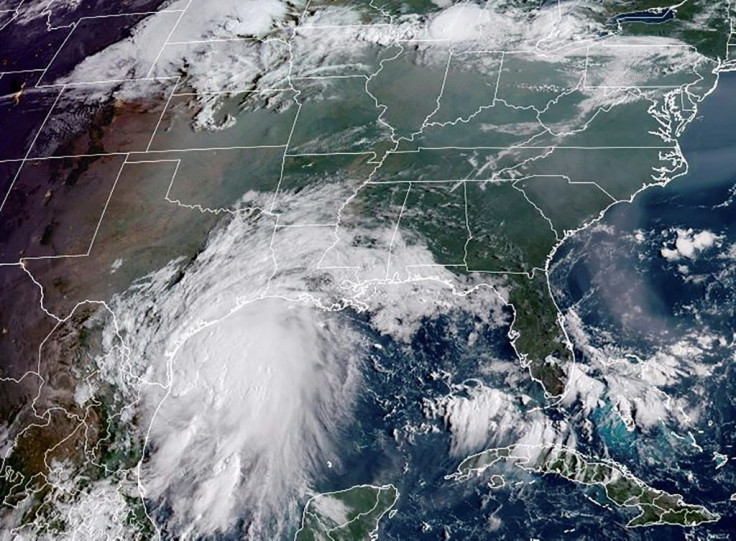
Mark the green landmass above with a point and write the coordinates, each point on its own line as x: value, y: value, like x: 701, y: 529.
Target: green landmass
x: 348, y: 515
x: 537, y: 333
x: 704, y: 25
x: 653, y: 506
x: 497, y: 231
x: 88, y: 439
x: 494, y: 192
x: 497, y: 211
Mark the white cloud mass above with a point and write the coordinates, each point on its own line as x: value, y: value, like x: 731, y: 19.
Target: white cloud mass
x: 260, y: 364
x: 253, y: 408
x: 689, y: 244
x: 252, y: 363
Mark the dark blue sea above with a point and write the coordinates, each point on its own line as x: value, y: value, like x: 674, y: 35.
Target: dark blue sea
x: 628, y: 298
x: 615, y: 277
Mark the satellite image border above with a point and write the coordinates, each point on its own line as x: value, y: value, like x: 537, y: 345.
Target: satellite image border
x: 401, y: 269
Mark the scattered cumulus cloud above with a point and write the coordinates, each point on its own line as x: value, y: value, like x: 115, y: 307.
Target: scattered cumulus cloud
x: 475, y: 415
x: 642, y: 388
x: 261, y: 364
x: 478, y: 416
x: 689, y: 244
x: 254, y: 365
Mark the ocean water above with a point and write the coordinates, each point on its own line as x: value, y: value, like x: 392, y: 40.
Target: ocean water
x: 625, y: 293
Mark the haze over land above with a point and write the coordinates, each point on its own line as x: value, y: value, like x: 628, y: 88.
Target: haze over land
x: 277, y: 195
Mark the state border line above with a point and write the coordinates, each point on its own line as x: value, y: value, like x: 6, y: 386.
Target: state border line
x: 320, y: 154
x: 30, y: 149
x: 94, y: 234
x: 534, y: 147
x: 168, y: 37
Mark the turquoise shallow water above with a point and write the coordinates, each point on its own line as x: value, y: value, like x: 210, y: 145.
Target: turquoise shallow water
x: 623, y: 288
x: 619, y: 286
